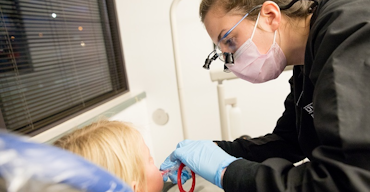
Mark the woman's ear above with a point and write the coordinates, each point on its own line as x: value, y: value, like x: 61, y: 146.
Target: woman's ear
x: 270, y: 16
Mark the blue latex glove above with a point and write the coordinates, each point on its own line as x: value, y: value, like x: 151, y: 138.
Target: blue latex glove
x: 204, y: 157
x: 172, y: 168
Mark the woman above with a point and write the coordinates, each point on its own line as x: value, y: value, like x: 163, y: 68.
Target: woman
x: 326, y: 113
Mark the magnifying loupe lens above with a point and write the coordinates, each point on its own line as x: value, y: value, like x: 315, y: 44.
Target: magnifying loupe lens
x: 228, y: 58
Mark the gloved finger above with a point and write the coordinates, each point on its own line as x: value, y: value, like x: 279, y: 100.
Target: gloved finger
x: 173, y: 157
x: 165, y: 178
x: 168, y: 163
x: 173, y: 177
x: 180, y: 154
x: 183, y: 150
x: 183, y: 143
x: 185, y: 176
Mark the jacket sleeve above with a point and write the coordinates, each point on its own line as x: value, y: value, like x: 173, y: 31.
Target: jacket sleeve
x: 341, y: 74
x: 281, y: 143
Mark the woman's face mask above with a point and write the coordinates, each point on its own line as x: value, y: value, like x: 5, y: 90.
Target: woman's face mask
x: 255, y: 67
x: 249, y: 63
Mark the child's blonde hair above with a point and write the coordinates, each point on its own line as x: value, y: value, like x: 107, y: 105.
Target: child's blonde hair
x: 115, y: 146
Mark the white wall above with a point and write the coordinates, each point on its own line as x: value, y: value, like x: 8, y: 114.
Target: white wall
x: 146, y: 35
x: 137, y: 114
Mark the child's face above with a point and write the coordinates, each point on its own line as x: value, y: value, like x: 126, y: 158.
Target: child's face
x: 154, y: 177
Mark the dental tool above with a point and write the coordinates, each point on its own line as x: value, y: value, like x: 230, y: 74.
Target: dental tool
x: 179, y: 179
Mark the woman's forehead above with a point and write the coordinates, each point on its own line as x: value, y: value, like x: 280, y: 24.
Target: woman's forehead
x: 217, y: 22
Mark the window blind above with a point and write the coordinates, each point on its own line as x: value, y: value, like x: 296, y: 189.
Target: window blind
x: 57, y: 59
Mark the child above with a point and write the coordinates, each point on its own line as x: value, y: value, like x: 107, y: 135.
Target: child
x: 119, y: 148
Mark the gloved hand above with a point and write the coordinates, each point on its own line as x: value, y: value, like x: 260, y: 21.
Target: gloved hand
x: 171, y: 169
x: 203, y: 157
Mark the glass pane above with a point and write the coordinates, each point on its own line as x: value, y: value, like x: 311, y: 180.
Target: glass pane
x: 55, y: 57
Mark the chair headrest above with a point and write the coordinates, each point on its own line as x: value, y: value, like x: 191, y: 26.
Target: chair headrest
x: 29, y: 166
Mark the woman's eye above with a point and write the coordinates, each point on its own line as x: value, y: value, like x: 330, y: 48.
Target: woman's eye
x: 230, y: 42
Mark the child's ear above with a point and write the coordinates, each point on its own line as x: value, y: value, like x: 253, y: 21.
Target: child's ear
x: 134, y: 186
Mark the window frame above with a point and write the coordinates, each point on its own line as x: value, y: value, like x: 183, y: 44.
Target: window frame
x: 114, y: 30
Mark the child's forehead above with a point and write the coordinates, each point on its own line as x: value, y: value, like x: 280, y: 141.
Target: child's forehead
x: 145, y: 148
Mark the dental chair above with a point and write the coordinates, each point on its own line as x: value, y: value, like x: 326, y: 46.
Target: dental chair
x: 27, y: 166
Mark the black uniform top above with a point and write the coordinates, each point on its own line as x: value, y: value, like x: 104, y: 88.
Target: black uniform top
x: 326, y: 115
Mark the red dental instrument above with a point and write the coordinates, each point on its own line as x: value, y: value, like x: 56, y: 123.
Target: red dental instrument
x: 179, y: 179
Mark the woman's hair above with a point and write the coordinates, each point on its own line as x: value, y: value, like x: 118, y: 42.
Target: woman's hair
x: 298, y: 10
x: 113, y: 145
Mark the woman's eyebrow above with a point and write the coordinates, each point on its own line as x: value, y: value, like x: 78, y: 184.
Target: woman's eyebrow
x: 220, y: 35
